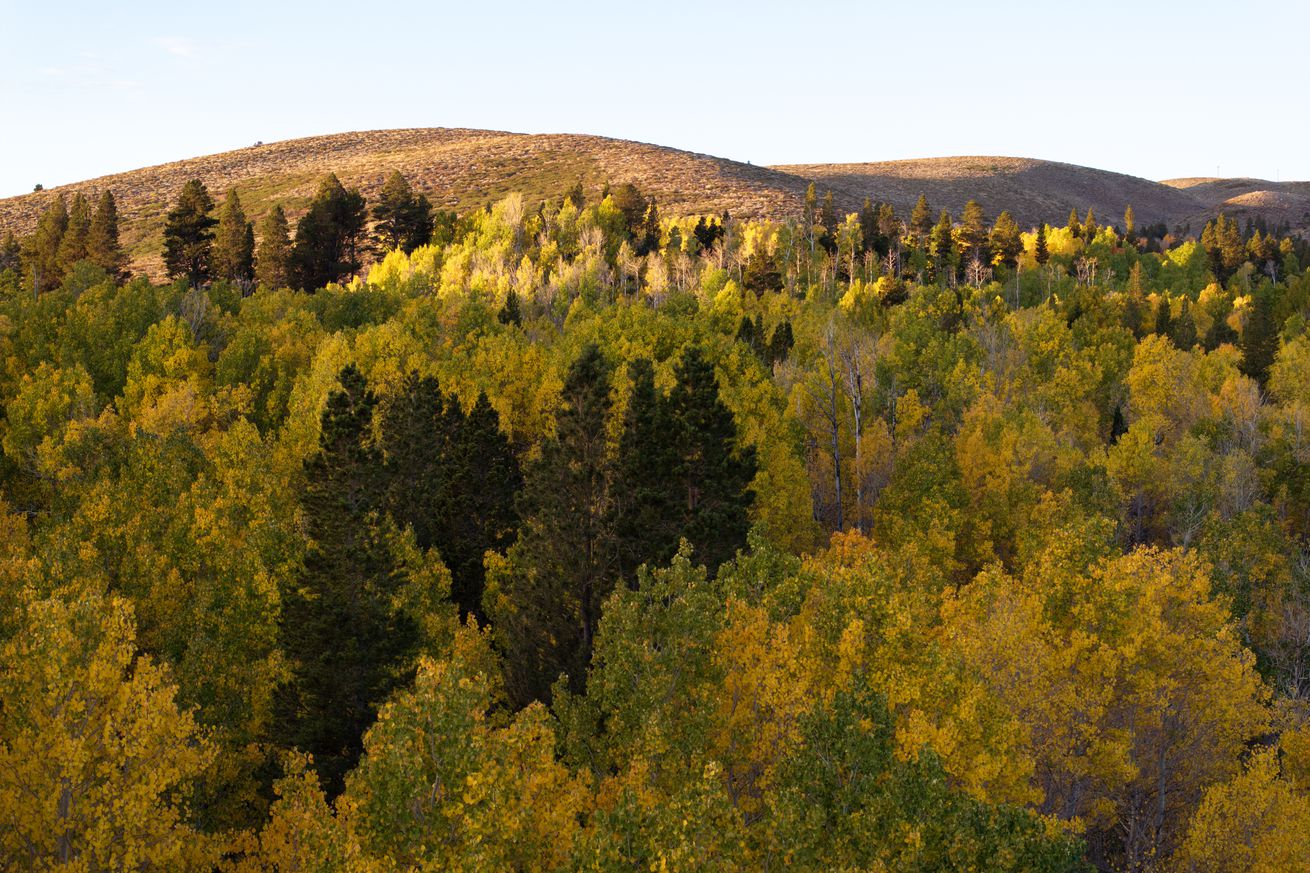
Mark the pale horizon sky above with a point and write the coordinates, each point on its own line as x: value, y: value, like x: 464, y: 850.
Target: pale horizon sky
x: 1156, y: 90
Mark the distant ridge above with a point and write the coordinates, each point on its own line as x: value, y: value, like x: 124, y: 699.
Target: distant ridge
x: 462, y: 169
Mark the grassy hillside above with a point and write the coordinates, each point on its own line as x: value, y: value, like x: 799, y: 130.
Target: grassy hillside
x: 1032, y: 190
x: 457, y: 169
x: 462, y: 169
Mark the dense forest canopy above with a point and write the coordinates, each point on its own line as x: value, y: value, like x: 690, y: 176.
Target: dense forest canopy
x: 573, y: 536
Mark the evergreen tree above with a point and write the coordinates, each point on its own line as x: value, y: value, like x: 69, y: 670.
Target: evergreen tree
x: 1075, y: 226
x: 746, y: 332
x: 1184, y: 327
x: 327, y: 246
x: 73, y: 247
x: 649, y: 240
x: 1163, y: 318
x: 233, y: 256
x: 576, y: 195
x: 1118, y: 424
x: 41, y: 249
x: 1130, y: 227
x: 714, y: 473
x: 485, y: 484
x: 1041, y: 253
x: 564, y: 564
x: 347, y: 643
x: 973, y: 231
x: 402, y: 218
x: 869, y: 235
x: 646, y: 495
x: 1090, y: 227
x: 1259, y: 337
x: 189, y: 235
x: 273, y: 257
x: 103, y: 248
x: 828, y: 220
x: 510, y: 312
x: 943, y: 245
x: 781, y: 342
x: 11, y: 254
x: 921, y: 223
x: 1005, y: 240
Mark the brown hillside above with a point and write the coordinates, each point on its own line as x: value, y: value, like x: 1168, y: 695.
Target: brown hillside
x: 456, y: 168
x: 1247, y: 198
x: 1032, y: 190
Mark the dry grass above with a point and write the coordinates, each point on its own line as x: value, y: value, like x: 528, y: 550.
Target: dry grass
x: 462, y: 169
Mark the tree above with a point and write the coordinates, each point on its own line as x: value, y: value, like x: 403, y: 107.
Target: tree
x: 103, y: 248
x: 1005, y: 241
x: 943, y: 245
x: 96, y: 756
x: 1090, y: 227
x: 73, y: 245
x: 327, y: 246
x: 1130, y: 227
x: 1259, y: 337
x: 921, y: 223
x: 11, y: 253
x: 402, y: 218
x: 973, y: 231
x: 273, y: 258
x: 509, y: 313
x: 233, y: 256
x: 189, y: 235
x: 41, y: 249
x: 646, y: 498
x: 544, y: 597
x: 1041, y: 253
x: 348, y: 641
x: 1075, y: 226
x: 713, y: 471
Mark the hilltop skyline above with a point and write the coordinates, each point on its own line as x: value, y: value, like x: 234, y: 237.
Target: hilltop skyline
x: 1138, y: 91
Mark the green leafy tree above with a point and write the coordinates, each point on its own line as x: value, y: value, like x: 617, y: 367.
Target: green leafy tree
x: 273, y: 257
x: 328, y: 238
x: 189, y: 235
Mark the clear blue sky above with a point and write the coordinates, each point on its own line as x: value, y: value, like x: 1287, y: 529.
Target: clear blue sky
x: 1156, y: 89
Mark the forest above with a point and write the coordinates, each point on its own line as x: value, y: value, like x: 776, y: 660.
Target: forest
x: 567, y: 535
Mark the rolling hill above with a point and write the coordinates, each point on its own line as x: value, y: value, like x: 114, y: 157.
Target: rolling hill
x: 461, y: 169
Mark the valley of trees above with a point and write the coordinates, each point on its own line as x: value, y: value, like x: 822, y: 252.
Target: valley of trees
x: 571, y: 536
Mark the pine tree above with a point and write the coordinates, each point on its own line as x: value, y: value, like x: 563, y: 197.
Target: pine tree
x: 1163, y: 318
x: 1041, y: 253
x: 651, y: 232
x: 189, y: 235
x: 576, y: 195
x: 869, y: 235
x: 11, y: 253
x: 1075, y: 226
x: 943, y: 245
x: 973, y: 231
x: 402, y: 218
x: 1005, y: 240
x: 510, y: 313
x: 646, y: 494
x: 564, y: 563
x: 327, y: 246
x: 1090, y: 227
x: 1184, y: 327
x: 1130, y: 227
x: 1259, y: 337
x: 746, y: 332
x: 103, y: 248
x: 921, y: 222
x: 781, y: 342
x: 347, y: 643
x: 233, y: 256
x: 714, y: 472
x: 73, y: 245
x: 273, y: 257
x: 41, y: 249
x: 828, y: 220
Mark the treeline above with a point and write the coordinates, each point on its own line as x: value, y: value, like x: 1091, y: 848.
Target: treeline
x: 573, y: 536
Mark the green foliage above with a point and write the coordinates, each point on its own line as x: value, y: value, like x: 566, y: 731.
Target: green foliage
x: 189, y: 235
x: 329, y: 238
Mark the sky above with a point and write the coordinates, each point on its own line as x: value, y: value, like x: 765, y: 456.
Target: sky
x: 1155, y: 89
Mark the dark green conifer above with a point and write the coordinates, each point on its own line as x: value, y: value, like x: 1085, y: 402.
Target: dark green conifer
x: 564, y: 563
x: 41, y: 249
x: 510, y: 312
x: 103, y: 247
x: 402, y: 217
x: 921, y: 223
x: 273, y: 257
x: 1164, y: 321
x: 1041, y: 253
x: 714, y: 472
x: 233, y: 255
x: 348, y: 644
x: 189, y: 235
x: 73, y: 247
x: 646, y: 495
x: 328, y: 238
x: 781, y: 342
x: 1183, y: 332
x: 1259, y: 337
